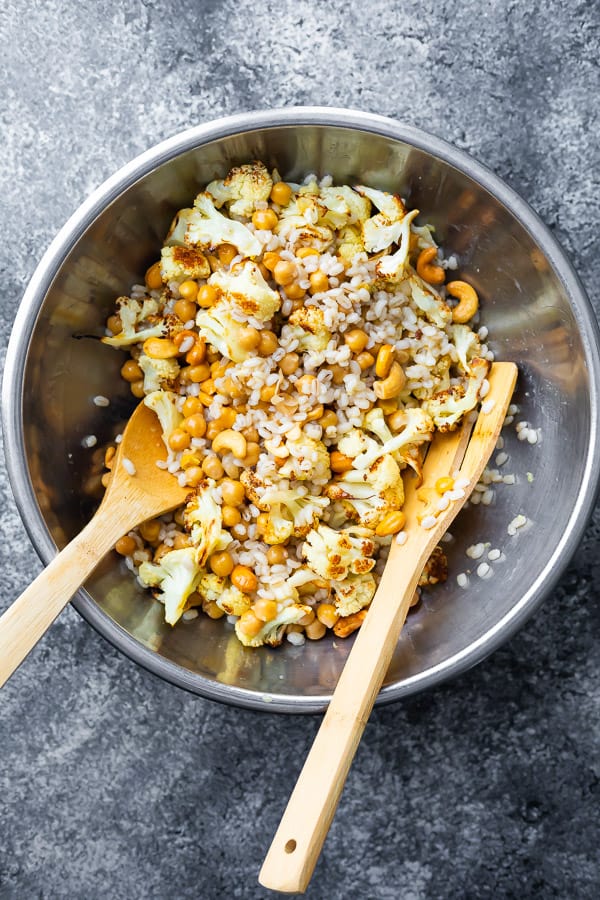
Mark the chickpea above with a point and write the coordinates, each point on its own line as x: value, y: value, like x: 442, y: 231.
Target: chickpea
x: 137, y: 389
x: 268, y: 343
x: 294, y: 292
x: 249, y: 623
x: 161, y: 551
x: 232, y: 492
x: 212, y: 467
x: 226, y: 253
x: 303, y: 252
x: 198, y: 374
x: 194, y: 475
x: 114, y: 324
x: 207, y: 296
x: 268, y: 392
x: 131, y: 371
x: 249, y: 337
x: 197, y: 354
x: 195, y: 425
x: 328, y: 419
x: 391, y: 524
x: 270, y: 260
x: 327, y: 614
x: 179, y: 440
x: 191, y: 405
x: 443, y: 484
x: 150, y: 530
x: 365, y: 360
x: 153, y: 277
x: 212, y: 610
x: 284, y: 272
x: 221, y: 563
x: 185, y: 309
x: 264, y: 219
x: 339, y: 462
x: 315, y: 413
x: 339, y: 373
x: 179, y: 516
x: 250, y: 433
x: 319, y: 282
x: 244, y: 579
x: 265, y: 610
x: 281, y: 193
x: 126, y: 545
x: 307, y: 618
x: 276, y: 555
x: 315, y: 630
x: 264, y: 271
x: 289, y: 363
x: 357, y: 340
x: 181, y: 540
x: 159, y: 348
x: 231, y: 516
x: 306, y: 384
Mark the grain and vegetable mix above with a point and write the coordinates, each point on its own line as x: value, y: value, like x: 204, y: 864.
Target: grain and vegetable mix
x: 300, y: 343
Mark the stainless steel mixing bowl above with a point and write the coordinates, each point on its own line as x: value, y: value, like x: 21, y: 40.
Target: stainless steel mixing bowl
x: 537, y: 315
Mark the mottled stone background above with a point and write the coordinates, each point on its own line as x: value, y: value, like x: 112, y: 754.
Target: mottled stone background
x: 114, y: 784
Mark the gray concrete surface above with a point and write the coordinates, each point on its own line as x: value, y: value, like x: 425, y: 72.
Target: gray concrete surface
x: 116, y: 785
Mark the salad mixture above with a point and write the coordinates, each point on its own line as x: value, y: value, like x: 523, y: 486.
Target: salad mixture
x: 300, y: 343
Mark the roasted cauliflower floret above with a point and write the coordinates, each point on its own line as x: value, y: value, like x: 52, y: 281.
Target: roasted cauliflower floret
x: 290, y: 514
x: 181, y: 263
x: 429, y: 301
x: 207, y: 228
x: 467, y: 346
x: 242, y: 189
x: 418, y: 429
x: 245, y: 289
x: 273, y: 631
x: 202, y: 518
x: 219, y: 328
x: 391, y: 267
x: 177, y: 575
x: 350, y: 243
x: 353, y: 593
x: 334, y: 554
x: 344, y: 206
x: 158, y: 373
x: 384, y: 229
x: 164, y: 404
x: 436, y: 569
x: 139, y: 321
x: 368, y: 495
x: 448, y: 407
x: 308, y: 459
x: 307, y: 325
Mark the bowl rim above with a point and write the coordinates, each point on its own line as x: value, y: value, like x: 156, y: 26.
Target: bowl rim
x: 139, y: 167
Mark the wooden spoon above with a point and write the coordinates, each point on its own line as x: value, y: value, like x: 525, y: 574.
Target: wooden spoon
x: 129, y: 500
x: 297, y: 844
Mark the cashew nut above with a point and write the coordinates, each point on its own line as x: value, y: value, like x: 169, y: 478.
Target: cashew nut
x: 392, y: 385
x: 384, y: 361
x: 428, y: 272
x: 468, y: 301
x: 230, y: 440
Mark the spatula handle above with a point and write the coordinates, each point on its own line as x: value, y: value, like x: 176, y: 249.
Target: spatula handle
x: 297, y: 844
x: 32, y: 613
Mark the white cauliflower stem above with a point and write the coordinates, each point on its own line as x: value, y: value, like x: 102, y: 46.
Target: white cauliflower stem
x: 202, y: 518
x: 164, y: 404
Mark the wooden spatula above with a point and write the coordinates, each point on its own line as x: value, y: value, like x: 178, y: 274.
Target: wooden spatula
x: 297, y: 844
x: 129, y: 500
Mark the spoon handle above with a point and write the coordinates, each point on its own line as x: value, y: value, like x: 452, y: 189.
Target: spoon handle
x: 295, y: 849
x: 32, y: 613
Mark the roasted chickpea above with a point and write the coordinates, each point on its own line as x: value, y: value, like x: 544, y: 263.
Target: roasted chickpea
x: 268, y: 343
x: 137, y: 389
x: 249, y: 337
x: 131, y: 371
x: 179, y: 440
x: 126, y: 545
x: 221, y: 563
x: 114, y: 324
x: 226, y: 253
x: 232, y: 492
x: 231, y: 516
x: 244, y: 579
x: 284, y: 271
x: 276, y: 555
x: 270, y: 260
x: 319, y: 282
x: 185, y: 309
x: 289, y: 363
x: 212, y: 467
x: 281, y: 193
x: 191, y: 405
x: 264, y: 219
x: 207, y: 296
x: 357, y: 340
x: 188, y: 289
x: 153, y: 277
x: 195, y: 425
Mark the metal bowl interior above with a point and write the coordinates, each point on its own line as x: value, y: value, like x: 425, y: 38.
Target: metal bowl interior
x: 532, y: 304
